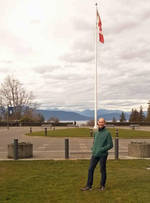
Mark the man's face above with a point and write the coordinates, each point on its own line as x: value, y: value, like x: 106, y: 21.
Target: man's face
x: 101, y: 123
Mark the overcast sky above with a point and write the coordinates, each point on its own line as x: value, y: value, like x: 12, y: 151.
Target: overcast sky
x: 49, y: 46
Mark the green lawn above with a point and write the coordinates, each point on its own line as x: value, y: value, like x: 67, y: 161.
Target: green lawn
x: 128, y: 133
x: 60, y: 181
x: 85, y: 132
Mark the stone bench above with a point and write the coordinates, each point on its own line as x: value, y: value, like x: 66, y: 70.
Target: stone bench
x: 139, y: 149
x: 25, y: 150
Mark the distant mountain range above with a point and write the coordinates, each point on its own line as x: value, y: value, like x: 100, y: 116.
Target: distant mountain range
x: 82, y: 115
x: 63, y: 115
x: 106, y: 114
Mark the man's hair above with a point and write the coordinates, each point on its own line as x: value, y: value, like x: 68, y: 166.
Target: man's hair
x: 103, y: 119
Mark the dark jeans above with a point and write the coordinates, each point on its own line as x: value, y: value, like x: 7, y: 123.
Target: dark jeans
x: 93, y: 163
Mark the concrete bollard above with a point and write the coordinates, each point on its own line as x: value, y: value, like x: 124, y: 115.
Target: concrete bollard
x: 15, y: 149
x: 91, y: 132
x: 117, y: 145
x: 67, y: 148
x: 30, y: 130
x: 45, y: 131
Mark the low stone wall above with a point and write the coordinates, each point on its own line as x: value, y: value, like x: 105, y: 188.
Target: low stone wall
x: 139, y: 149
x: 25, y: 150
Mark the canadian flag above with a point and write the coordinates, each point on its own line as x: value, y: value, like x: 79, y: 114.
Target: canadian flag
x: 99, y: 23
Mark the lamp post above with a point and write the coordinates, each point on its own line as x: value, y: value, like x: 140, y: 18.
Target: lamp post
x: 9, y: 112
x: 7, y: 117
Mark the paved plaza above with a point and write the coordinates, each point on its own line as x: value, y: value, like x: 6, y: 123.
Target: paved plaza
x: 53, y: 148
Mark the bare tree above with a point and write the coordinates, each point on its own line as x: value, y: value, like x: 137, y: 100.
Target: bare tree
x: 54, y: 120
x: 90, y: 123
x: 31, y: 115
x: 12, y: 93
x: 114, y: 120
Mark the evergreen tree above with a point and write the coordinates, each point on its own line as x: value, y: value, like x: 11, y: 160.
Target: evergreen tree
x: 141, y: 115
x: 148, y: 112
x: 136, y: 116
x: 131, y: 116
x: 122, y: 117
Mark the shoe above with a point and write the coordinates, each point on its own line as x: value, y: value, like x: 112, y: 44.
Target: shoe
x: 86, y: 188
x: 102, y: 188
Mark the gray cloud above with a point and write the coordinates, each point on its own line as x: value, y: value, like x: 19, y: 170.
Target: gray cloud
x: 146, y: 15
x: 83, y: 45
x: 4, y: 70
x: 120, y: 27
x: 14, y: 43
x: 82, y: 24
x: 35, y: 21
x: 132, y: 54
x: 127, y: 104
x: 6, y: 61
x: 78, y: 56
x: 46, y: 69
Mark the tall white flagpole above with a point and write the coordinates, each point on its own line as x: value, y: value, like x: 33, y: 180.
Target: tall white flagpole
x: 95, y: 112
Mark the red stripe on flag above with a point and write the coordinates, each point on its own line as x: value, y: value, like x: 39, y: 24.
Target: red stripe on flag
x: 101, y: 38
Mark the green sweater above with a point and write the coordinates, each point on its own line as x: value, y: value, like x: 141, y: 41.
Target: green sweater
x: 102, y: 143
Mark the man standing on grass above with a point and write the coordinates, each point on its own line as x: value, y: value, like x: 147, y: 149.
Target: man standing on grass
x: 102, y: 143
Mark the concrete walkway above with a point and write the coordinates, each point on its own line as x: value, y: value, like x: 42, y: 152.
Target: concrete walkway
x: 46, y: 148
